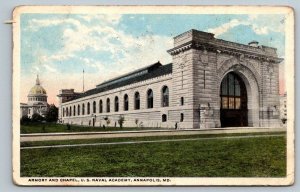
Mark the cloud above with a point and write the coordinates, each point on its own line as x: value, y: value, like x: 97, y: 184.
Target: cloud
x: 226, y: 26
x: 260, y: 24
x: 50, y: 68
x: 103, y: 38
x: 263, y: 24
x: 107, y: 18
x: 36, y: 24
x: 82, y: 43
x: 260, y: 30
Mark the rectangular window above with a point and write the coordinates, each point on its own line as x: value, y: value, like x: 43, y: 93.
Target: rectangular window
x: 181, y: 117
x: 237, y: 103
x: 224, y: 102
x: 231, y: 103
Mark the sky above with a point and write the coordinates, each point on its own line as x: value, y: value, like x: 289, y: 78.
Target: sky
x: 58, y: 47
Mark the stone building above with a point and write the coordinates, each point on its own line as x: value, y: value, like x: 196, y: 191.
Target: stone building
x: 210, y: 83
x: 37, y: 101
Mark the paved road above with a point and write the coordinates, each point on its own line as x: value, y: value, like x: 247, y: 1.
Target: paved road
x: 119, y: 134
x: 153, y: 141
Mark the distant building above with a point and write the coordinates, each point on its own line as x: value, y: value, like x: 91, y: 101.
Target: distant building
x: 283, y: 111
x: 37, y: 101
x: 210, y: 83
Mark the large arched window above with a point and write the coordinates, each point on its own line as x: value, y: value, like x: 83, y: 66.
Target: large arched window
x: 107, y: 105
x: 83, y: 109
x: 233, y: 101
x: 88, y: 108
x: 78, y: 110
x: 126, y: 105
x: 100, y: 106
x: 230, y: 92
x: 70, y: 111
x: 67, y: 111
x: 137, y: 100
x: 94, y: 107
x: 74, y: 110
x: 116, y: 104
x: 63, y: 112
x: 150, y: 98
x: 165, y: 96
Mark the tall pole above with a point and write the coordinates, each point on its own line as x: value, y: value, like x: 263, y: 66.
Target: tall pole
x: 83, y: 80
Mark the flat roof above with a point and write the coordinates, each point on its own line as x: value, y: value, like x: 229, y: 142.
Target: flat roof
x: 149, y: 72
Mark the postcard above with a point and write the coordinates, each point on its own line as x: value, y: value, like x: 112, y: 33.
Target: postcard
x: 153, y: 95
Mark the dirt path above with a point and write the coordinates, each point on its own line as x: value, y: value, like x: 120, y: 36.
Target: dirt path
x: 119, y: 134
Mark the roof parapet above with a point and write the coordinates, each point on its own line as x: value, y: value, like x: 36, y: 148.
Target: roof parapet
x: 191, y: 35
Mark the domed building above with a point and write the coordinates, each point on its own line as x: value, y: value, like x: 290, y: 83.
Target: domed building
x: 37, y: 101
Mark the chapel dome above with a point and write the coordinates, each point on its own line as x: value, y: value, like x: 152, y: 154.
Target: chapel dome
x: 37, y: 89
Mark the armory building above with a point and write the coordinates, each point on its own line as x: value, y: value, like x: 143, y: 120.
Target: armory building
x: 210, y: 83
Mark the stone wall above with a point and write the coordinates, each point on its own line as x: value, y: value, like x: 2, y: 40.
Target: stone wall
x: 133, y: 117
x: 183, y: 89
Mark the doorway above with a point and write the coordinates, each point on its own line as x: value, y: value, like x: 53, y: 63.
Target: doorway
x: 233, y: 101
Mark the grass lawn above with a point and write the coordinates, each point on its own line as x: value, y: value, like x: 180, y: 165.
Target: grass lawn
x: 54, y: 128
x: 124, y: 139
x: 246, y: 157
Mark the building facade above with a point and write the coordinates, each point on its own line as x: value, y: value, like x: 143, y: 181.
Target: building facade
x: 37, y: 101
x: 210, y: 83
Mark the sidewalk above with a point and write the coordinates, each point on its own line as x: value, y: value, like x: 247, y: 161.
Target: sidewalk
x: 153, y: 141
x: 146, y: 133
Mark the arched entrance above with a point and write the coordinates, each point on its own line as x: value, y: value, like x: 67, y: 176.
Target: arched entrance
x: 233, y: 98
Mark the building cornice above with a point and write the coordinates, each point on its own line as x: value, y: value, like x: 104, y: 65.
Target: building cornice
x: 231, y: 48
x: 135, y: 85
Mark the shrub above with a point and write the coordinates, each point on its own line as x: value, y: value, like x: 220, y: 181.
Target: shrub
x: 37, y: 118
x: 52, y: 113
x: 137, y: 122
x: 141, y: 124
x: 284, y: 120
x: 107, y: 120
x: 68, y: 127
x: 121, y: 121
x: 25, y: 120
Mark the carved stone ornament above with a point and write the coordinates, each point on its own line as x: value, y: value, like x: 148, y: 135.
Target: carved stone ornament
x: 270, y: 69
x: 242, y: 58
x: 182, y: 65
x: 237, y: 67
x: 204, y: 58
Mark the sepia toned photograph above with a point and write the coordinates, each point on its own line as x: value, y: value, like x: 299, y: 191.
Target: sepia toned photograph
x: 153, y: 95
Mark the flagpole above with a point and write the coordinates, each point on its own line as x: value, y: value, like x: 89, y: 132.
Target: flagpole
x: 83, y: 80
